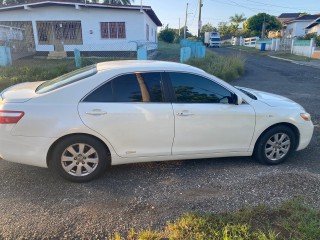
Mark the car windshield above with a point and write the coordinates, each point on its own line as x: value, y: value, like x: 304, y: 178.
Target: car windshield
x: 248, y: 94
x: 67, y: 79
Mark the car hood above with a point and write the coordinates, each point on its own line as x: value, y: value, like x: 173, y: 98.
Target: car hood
x: 271, y: 99
x: 19, y: 93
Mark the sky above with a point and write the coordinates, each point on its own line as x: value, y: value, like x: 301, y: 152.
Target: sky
x: 215, y: 11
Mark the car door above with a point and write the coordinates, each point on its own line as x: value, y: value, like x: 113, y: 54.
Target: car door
x: 207, y: 120
x: 132, y: 113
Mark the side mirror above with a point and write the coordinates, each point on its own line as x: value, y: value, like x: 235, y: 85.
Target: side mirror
x: 238, y: 99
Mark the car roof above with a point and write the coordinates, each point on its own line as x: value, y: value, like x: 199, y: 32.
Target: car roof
x: 143, y: 65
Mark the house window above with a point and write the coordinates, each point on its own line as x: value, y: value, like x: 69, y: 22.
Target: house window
x: 113, y: 29
x: 104, y: 26
x: 147, y: 32
x: 68, y: 32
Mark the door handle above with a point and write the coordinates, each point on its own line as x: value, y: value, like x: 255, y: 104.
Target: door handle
x: 182, y: 114
x: 96, y: 112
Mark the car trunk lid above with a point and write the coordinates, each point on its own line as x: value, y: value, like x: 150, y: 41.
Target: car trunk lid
x: 19, y: 93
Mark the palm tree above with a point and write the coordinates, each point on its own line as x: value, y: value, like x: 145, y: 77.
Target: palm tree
x: 235, y: 22
x: 237, y: 19
x: 118, y: 2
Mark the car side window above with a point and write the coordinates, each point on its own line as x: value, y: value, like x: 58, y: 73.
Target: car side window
x: 137, y: 87
x: 190, y: 88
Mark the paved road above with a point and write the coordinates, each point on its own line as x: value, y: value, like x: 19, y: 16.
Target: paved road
x: 36, y: 204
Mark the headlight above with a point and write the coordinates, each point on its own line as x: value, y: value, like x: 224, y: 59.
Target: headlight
x: 305, y: 116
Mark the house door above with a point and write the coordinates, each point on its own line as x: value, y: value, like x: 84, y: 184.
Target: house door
x: 57, y: 37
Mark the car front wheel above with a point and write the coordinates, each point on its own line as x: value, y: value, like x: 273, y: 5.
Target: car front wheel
x: 275, y: 145
x: 80, y: 158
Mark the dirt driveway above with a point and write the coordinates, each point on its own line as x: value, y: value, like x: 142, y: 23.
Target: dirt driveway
x: 36, y: 204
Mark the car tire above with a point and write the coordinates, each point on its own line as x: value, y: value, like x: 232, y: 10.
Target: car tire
x: 79, y: 158
x: 275, y: 145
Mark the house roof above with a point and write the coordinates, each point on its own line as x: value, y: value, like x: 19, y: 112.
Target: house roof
x: 314, y: 23
x: 289, y: 15
x: 305, y: 18
x: 147, y: 9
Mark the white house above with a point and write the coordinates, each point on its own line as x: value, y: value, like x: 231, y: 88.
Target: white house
x: 64, y: 26
x: 314, y: 27
x: 296, y: 27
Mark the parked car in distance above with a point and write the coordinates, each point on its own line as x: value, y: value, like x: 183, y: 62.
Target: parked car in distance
x: 123, y: 112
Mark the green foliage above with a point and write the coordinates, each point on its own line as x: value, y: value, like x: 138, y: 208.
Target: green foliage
x: 313, y: 35
x: 167, y: 35
x: 227, y: 68
x: 208, y: 28
x: 292, y: 220
x: 253, y: 26
x: 236, y: 20
x: 225, y: 30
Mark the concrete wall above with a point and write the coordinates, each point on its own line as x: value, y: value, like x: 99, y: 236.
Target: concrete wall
x: 303, y: 48
x: 90, y: 22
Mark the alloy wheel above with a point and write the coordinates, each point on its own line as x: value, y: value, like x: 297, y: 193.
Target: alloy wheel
x: 79, y: 159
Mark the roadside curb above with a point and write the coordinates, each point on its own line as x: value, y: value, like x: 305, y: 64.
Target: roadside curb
x: 295, y: 62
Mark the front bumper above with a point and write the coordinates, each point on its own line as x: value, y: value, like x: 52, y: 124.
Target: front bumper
x: 306, y: 131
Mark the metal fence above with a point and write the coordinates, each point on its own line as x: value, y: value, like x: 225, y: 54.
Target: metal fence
x: 62, y: 39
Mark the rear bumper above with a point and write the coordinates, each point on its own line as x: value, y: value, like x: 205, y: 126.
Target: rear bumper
x: 26, y: 150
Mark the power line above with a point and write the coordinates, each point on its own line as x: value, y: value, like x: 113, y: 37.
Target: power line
x: 272, y: 5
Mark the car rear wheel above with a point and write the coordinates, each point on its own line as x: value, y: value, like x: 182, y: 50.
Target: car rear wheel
x: 275, y: 145
x: 80, y: 158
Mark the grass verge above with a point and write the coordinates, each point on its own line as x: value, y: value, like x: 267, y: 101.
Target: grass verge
x: 168, y: 52
x: 292, y: 220
x: 293, y: 57
x: 247, y: 49
x: 225, y: 67
x: 29, y: 70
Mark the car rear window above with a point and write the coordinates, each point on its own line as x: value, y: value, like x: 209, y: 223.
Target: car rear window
x: 67, y: 78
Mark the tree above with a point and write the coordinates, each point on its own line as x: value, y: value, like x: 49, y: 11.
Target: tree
x: 167, y: 34
x: 208, y: 28
x: 253, y: 26
x: 225, y: 30
x: 236, y: 20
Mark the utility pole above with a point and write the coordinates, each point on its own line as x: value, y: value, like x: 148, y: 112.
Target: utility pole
x: 199, y: 21
x: 179, y: 29
x: 185, y: 23
x: 263, y: 28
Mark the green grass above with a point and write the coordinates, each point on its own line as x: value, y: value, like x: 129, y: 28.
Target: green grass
x: 168, y: 52
x: 247, y: 49
x: 292, y: 220
x: 293, y: 57
x: 225, y: 67
x: 30, y: 70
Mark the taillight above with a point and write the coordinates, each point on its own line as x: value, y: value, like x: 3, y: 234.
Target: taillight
x: 10, y: 117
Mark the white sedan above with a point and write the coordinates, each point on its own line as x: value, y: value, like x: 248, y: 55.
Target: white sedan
x: 122, y: 112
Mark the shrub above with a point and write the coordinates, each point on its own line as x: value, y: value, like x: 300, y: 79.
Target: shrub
x: 167, y: 35
x: 313, y: 35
